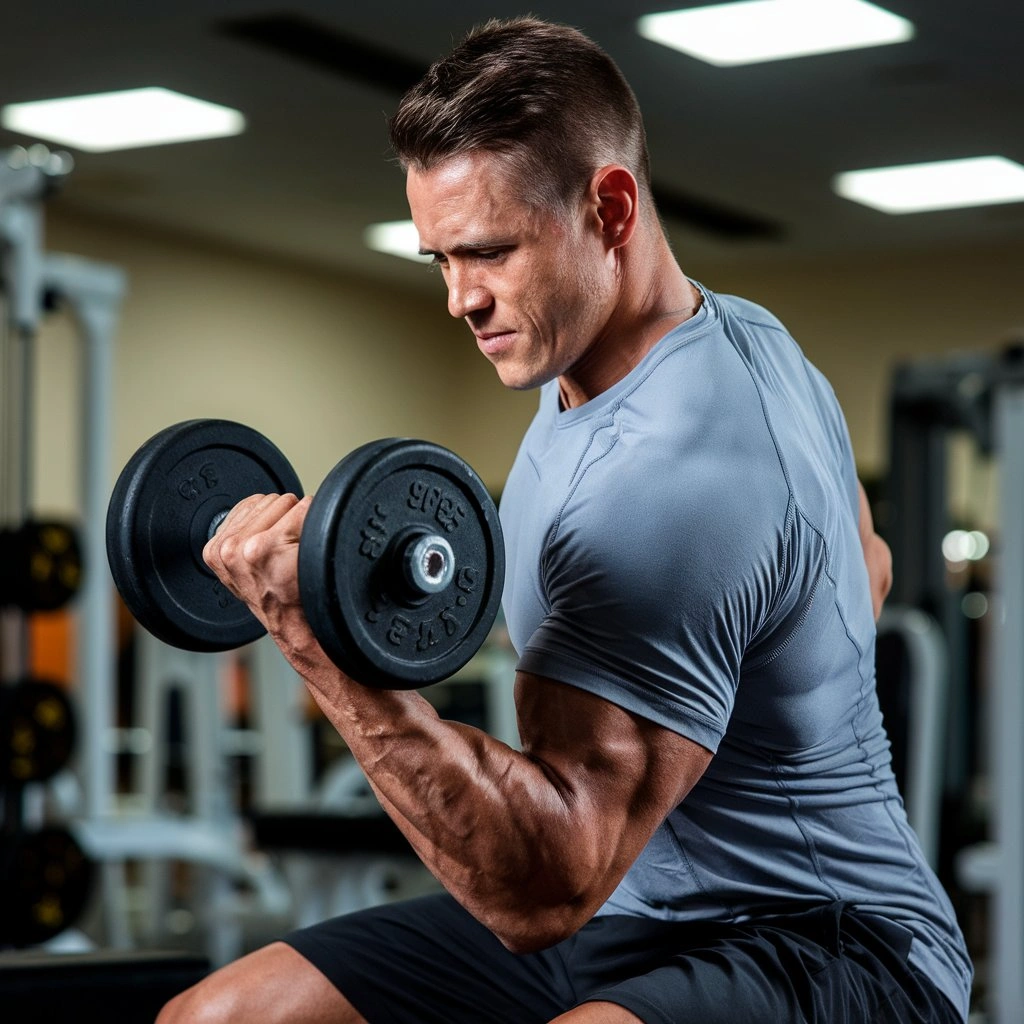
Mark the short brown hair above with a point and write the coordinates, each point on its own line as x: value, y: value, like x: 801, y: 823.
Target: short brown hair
x: 543, y: 95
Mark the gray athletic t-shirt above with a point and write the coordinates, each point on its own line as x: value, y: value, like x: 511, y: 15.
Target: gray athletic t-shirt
x: 685, y: 545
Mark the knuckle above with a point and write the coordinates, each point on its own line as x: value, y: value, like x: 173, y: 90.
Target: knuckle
x: 228, y: 550
x: 208, y: 555
x: 254, y: 549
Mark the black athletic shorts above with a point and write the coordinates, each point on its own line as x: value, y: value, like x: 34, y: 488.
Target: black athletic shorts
x: 427, y: 961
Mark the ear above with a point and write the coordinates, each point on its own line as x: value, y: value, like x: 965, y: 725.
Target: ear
x: 614, y: 193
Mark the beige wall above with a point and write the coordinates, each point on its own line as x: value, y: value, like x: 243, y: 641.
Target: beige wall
x: 857, y: 318
x: 322, y: 363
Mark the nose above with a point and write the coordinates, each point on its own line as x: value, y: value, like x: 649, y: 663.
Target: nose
x: 465, y: 295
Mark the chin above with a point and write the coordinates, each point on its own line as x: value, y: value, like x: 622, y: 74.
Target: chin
x: 518, y: 378
x: 521, y: 384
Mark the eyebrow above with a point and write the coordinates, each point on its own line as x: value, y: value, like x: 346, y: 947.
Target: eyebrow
x: 464, y: 248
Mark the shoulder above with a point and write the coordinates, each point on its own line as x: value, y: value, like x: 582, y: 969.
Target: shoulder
x: 657, y: 507
x: 749, y: 312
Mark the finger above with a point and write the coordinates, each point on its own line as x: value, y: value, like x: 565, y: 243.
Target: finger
x: 231, y: 523
x: 255, y: 513
x: 214, y: 551
x: 264, y: 514
x: 292, y: 521
x: 259, y: 527
x: 273, y: 527
x: 242, y: 512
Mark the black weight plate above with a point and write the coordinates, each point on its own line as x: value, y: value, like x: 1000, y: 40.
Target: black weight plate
x: 37, y: 731
x: 54, y: 564
x: 352, y: 593
x: 159, y: 518
x: 42, y: 565
x: 46, y: 881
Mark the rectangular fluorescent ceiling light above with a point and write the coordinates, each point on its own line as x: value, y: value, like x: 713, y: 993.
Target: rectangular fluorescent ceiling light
x: 753, y: 31
x: 942, y: 185
x: 396, y: 238
x: 102, y: 122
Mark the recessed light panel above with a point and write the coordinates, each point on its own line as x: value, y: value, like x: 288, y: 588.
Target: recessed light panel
x: 753, y: 31
x: 396, y: 238
x: 129, y: 119
x: 941, y: 185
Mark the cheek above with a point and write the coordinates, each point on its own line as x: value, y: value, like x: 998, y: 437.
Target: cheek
x: 592, y: 286
x: 591, y: 264
x: 575, y: 274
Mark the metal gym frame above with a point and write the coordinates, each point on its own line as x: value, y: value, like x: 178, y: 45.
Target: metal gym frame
x: 984, y: 396
x: 93, y: 291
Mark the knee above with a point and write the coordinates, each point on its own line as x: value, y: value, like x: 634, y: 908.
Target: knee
x: 174, y: 1011
x: 273, y: 985
x: 201, y: 1004
x: 171, y: 1013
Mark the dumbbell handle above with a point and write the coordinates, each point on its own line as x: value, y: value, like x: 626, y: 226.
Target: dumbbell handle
x: 216, y: 521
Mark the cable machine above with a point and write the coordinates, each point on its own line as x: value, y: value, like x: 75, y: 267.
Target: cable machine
x: 982, y: 395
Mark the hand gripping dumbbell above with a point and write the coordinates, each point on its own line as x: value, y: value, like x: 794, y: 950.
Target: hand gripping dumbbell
x: 401, y: 560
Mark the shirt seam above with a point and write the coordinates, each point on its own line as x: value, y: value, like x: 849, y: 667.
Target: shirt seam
x: 563, y: 423
x: 799, y: 510
x: 794, y: 816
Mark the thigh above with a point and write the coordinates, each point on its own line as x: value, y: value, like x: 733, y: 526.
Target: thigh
x: 427, y: 961
x: 755, y: 979
x: 819, y: 967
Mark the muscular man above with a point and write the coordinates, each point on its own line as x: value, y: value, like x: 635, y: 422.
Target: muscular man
x: 702, y: 823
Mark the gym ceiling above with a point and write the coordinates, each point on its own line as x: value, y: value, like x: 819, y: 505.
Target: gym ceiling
x: 743, y: 157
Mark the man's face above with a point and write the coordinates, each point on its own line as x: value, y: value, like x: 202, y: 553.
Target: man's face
x: 534, y: 286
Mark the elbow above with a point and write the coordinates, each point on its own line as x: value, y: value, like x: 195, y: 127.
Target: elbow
x: 530, y: 930
x: 532, y: 937
x: 547, y: 900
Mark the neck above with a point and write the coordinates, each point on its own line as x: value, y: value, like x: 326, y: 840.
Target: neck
x: 651, y: 304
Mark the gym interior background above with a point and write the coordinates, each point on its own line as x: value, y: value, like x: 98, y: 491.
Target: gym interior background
x: 251, y: 295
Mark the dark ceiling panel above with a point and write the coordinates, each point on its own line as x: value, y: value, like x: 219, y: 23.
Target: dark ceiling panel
x: 713, y: 218
x: 320, y: 46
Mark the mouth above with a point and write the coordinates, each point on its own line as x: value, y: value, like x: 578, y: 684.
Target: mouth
x: 493, y: 343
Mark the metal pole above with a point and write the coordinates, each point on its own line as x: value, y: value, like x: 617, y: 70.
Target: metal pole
x: 1007, y: 708
x: 21, y: 234
x: 94, y: 292
x: 927, y: 712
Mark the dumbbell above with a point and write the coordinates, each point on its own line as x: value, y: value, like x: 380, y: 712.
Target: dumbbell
x: 42, y: 565
x: 401, y: 559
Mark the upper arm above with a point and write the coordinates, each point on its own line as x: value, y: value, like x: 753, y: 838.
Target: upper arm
x: 877, y: 555
x: 652, y: 598
x: 617, y: 775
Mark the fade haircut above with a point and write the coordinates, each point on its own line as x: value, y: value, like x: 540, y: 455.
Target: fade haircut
x: 543, y: 96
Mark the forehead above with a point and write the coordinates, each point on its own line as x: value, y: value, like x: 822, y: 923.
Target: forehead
x: 467, y: 196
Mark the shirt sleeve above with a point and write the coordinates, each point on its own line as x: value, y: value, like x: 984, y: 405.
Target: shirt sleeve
x: 656, y: 583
